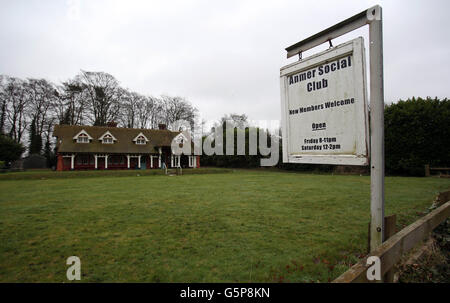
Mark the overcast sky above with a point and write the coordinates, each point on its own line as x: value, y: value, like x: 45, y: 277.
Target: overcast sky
x: 223, y: 56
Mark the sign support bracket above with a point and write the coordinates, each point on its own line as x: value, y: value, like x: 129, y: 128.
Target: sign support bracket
x: 372, y: 17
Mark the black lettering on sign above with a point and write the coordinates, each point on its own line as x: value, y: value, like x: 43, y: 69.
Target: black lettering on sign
x: 320, y: 70
x: 319, y: 126
x: 312, y: 86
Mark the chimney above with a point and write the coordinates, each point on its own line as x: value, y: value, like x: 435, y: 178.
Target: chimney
x: 111, y: 124
x: 162, y: 126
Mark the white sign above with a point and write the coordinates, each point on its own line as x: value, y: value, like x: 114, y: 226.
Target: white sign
x: 324, y: 108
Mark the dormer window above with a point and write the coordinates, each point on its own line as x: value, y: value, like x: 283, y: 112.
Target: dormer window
x: 140, y: 139
x: 107, y: 138
x: 82, y: 137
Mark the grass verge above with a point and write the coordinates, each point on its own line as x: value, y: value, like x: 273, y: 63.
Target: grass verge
x: 239, y: 226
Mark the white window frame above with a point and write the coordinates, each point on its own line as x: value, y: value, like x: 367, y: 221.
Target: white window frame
x: 82, y: 138
x: 107, y: 140
x: 141, y: 140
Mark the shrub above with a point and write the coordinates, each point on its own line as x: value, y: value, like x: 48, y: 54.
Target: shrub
x: 10, y: 150
x: 417, y: 132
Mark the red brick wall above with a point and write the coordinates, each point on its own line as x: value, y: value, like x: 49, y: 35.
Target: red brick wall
x: 59, y: 163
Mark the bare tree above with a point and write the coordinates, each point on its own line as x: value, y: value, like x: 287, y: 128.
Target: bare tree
x: 130, y: 104
x: 104, y: 95
x: 177, y: 108
x: 239, y: 121
x: 148, y: 112
x: 40, y: 95
x: 143, y: 112
x: 71, y: 104
x: 14, y: 106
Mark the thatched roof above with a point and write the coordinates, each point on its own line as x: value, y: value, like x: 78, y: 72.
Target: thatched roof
x: 124, y: 144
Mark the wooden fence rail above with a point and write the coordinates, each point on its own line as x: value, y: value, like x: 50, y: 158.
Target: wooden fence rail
x: 391, y: 251
x: 428, y: 170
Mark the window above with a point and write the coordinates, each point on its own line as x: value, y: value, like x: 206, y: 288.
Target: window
x: 82, y: 138
x: 140, y: 140
x: 107, y: 139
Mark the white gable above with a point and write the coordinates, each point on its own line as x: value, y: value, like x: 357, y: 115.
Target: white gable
x: 141, y: 135
x: 82, y: 132
x: 107, y: 133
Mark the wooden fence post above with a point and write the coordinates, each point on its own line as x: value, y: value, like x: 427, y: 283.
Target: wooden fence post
x: 389, y: 231
x: 427, y: 170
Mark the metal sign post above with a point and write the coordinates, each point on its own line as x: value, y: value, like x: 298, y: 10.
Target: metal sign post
x: 376, y: 130
x: 372, y: 17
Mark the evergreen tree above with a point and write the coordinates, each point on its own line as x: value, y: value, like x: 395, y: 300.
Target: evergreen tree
x: 35, y: 146
x: 67, y: 117
x: 10, y: 150
x: 49, y: 154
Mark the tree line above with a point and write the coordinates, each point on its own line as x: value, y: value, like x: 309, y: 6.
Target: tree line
x: 241, y: 124
x: 417, y: 132
x: 29, y: 108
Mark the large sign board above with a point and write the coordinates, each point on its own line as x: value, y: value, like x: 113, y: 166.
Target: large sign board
x: 324, y: 107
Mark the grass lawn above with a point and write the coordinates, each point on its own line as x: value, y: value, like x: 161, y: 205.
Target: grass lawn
x: 243, y: 226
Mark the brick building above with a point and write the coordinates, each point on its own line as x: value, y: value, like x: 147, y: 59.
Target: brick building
x: 97, y: 147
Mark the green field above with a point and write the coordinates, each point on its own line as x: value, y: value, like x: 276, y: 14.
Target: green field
x: 239, y: 226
